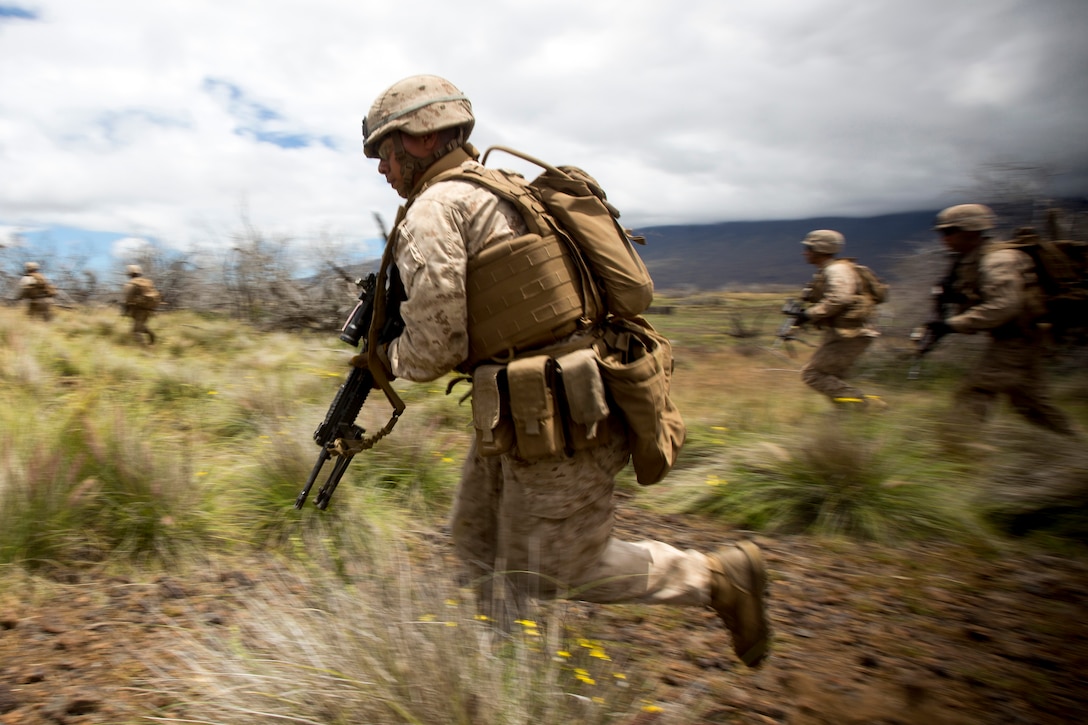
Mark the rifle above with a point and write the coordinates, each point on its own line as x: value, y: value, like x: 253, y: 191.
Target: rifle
x: 338, y: 435
x: 925, y: 338
x: 792, y: 310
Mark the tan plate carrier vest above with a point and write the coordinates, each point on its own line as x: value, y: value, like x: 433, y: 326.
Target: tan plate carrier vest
x: 527, y: 292
x: 539, y: 399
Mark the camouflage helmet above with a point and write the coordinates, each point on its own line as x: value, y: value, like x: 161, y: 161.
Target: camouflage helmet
x: 417, y: 105
x: 134, y: 270
x: 969, y: 217
x: 31, y: 267
x: 824, y: 241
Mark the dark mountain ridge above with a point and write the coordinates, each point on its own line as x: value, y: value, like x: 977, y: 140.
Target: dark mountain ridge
x: 768, y: 253
x: 730, y: 254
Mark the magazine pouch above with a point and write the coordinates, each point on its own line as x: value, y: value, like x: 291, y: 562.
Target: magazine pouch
x: 491, y: 411
x: 584, y: 398
x: 538, y: 429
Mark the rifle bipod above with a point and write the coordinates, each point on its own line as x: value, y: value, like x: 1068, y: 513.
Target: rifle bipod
x: 344, y: 447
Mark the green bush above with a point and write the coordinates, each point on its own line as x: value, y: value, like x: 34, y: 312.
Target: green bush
x: 840, y: 483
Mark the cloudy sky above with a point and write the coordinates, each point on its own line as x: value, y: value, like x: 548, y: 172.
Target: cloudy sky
x: 174, y: 120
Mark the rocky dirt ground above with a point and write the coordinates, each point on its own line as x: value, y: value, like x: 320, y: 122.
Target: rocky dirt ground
x: 927, y: 634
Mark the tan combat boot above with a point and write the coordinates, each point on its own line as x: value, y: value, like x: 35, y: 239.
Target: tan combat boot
x: 738, y: 583
x: 875, y: 404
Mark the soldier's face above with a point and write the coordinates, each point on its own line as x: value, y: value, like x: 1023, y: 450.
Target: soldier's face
x: 388, y: 165
x: 389, y: 156
x: 956, y: 239
x: 818, y: 259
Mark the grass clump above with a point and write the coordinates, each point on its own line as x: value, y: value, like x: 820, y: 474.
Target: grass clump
x: 394, y: 645
x: 840, y: 483
x: 1038, y: 487
x: 256, y: 494
x: 41, y: 514
x: 81, y: 492
x: 418, y: 471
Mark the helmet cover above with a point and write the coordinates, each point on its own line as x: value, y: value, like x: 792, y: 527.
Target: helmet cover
x: 969, y: 217
x: 417, y: 105
x: 824, y: 241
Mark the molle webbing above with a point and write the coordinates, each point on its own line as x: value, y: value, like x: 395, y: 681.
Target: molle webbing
x: 522, y: 294
x: 539, y: 221
x: 527, y: 292
x: 515, y: 189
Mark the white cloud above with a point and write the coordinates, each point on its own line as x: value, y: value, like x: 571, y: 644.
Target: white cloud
x: 128, y: 249
x: 161, y: 120
x: 11, y: 237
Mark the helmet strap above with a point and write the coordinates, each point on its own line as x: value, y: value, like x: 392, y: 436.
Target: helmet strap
x: 412, y: 167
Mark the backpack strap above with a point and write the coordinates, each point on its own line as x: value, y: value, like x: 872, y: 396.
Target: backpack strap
x: 513, y: 188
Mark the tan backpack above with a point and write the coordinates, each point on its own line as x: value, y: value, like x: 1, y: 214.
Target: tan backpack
x: 41, y: 288
x: 872, y: 286
x: 635, y: 361
x: 567, y: 201
x: 1056, y: 287
x: 144, y: 295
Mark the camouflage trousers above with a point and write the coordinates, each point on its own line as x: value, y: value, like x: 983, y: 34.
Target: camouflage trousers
x: 139, y: 325
x: 543, y: 529
x: 1012, y: 367
x: 826, y: 370
x: 41, y: 308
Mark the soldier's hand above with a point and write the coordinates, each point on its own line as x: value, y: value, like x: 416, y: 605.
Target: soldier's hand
x: 362, y: 361
x: 381, y: 352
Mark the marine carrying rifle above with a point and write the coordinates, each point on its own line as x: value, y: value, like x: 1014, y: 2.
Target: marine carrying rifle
x: 338, y: 434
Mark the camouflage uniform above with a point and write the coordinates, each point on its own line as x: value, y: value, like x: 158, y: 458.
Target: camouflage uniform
x: 991, y: 295
x: 846, y: 318
x: 132, y: 294
x: 36, y: 290
x: 552, y: 517
x: 525, y: 528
